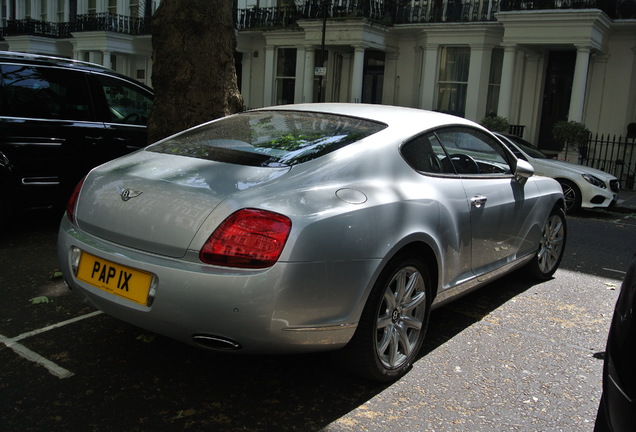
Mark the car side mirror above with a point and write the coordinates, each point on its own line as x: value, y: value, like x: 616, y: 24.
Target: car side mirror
x: 523, y: 171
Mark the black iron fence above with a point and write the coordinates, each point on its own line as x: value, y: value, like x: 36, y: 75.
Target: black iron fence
x: 406, y: 12
x: 388, y: 12
x: 614, y: 155
x: 81, y: 23
x: 111, y: 22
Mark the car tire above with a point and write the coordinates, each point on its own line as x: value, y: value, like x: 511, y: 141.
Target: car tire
x: 551, y: 246
x: 393, y: 324
x: 572, y: 195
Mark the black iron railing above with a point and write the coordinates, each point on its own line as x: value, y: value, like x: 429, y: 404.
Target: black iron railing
x: 404, y: 12
x: 82, y: 23
x: 32, y: 27
x: 111, y: 22
x: 388, y: 12
x: 615, y: 155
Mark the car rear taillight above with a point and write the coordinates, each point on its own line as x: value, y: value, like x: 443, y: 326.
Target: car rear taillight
x: 249, y: 238
x: 72, y: 202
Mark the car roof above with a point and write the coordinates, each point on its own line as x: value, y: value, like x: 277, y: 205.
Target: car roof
x: 20, y: 57
x: 411, y: 119
x: 44, y: 60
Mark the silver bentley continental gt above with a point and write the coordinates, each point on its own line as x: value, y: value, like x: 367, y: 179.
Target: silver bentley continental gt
x: 309, y: 227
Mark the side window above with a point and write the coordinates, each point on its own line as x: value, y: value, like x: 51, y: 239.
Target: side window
x: 425, y: 154
x: 471, y: 151
x: 44, y: 93
x: 127, y: 103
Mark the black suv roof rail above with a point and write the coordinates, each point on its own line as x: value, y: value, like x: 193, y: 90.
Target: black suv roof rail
x: 58, y: 61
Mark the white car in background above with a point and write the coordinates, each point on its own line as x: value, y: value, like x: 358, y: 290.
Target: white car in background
x: 583, y: 187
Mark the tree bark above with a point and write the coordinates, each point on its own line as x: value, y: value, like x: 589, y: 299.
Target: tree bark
x: 194, y: 74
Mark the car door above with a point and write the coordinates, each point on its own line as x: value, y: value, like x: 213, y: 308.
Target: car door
x: 46, y: 116
x: 500, y: 205
x: 441, y: 196
x: 124, y: 106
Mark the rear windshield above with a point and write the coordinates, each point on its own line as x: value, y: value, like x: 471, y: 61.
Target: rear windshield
x: 269, y: 138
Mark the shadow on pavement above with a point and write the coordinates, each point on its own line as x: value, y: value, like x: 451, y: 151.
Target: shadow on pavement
x: 128, y: 380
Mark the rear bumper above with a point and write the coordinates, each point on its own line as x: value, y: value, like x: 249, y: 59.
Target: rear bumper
x: 290, y: 307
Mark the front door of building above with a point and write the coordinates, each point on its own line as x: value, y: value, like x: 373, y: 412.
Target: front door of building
x: 556, y: 95
x: 373, y: 80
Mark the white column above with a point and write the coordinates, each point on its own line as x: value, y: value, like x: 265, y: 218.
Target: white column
x: 246, y: 78
x: 357, y: 74
x: 94, y: 57
x: 344, y: 76
x: 390, y: 85
x: 507, y: 76
x: 268, y: 83
x: 579, y: 83
x: 429, y: 78
x: 299, y: 85
x: 478, y: 74
x: 106, y: 56
x: 308, y: 85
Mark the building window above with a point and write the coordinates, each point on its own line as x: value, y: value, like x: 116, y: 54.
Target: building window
x: 453, y: 80
x: 60, y: 11
x: 134, y: 8
x: 494, y: 81
x: 112, y: 7
x: 43, y: 11
x: 92, y: 7
x: 285, y: 76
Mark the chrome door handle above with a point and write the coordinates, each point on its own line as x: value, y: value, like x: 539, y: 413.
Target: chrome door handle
x: 478, y: 200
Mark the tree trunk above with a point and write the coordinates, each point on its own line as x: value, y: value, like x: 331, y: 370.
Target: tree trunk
x: 194, y: 75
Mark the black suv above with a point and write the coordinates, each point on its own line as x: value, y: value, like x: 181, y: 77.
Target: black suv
x: 59, y: 118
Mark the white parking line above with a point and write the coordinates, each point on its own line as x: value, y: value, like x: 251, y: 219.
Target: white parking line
x: 26, y: 353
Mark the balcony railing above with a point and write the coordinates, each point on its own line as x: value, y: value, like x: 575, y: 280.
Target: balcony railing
x: 388, y: 12
x: 82, y: 23
x: 404, y: 12
x: 111, y: 22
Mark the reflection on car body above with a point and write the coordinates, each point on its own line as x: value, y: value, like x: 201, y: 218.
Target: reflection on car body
x: 309, y: 227
x: 59, y: 118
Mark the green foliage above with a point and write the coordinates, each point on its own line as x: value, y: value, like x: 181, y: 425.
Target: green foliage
x: 570, y: 134
x: 291, y: 142
x: 495, y: 123
x: 39, y: 300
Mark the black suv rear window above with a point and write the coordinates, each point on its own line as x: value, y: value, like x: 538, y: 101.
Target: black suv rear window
x: 269, y: 138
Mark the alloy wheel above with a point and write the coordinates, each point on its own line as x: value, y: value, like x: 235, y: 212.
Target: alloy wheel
x: 571, y: 196
x: 552, y: 244
x: 401, y: 318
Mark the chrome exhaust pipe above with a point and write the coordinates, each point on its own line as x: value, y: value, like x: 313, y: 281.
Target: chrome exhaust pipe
x: 216, y: 343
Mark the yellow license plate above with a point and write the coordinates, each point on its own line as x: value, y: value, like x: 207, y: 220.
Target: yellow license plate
x: 131, y: 284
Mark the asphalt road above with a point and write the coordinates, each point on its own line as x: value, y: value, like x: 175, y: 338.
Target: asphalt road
x: 512, y: 356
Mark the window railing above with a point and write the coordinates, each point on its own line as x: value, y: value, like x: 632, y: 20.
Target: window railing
x: 407, y: 12
x: 90, y: 22
x: 388, y: 12
x: 33, y: 27
x: 110, y: 22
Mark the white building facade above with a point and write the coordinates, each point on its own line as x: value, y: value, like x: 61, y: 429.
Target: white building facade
x: 467, y: 57
x: 113, y: 33
x: 470, y: 58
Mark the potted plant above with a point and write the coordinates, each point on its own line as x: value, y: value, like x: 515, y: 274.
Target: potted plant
x: 495, y: 123
x: 572, y: 138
